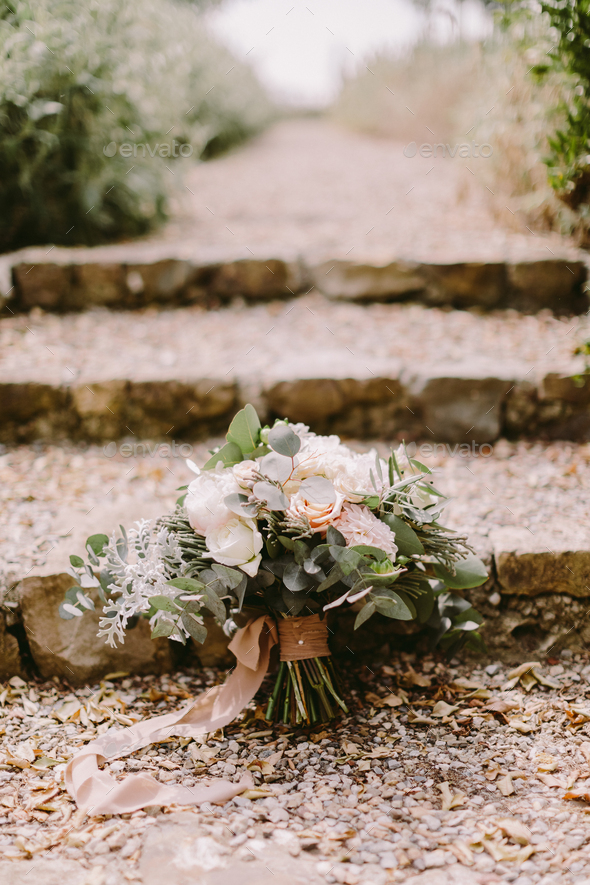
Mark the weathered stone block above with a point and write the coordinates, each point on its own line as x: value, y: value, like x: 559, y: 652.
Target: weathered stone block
x: 555, y: 559
x: 162, y: 282
x: 459, y: 409
x: 71, y: 649
x: 253, y: 279
x: 556, y: 284
x: 465, y: 285
x: 10, y: 661
x: 31, y: 411
x: 158, y: 408
x: 101, y: 409
x: 43, y: 285
x: 349, y: 281
x: 362, y: 408
x: 96, y: 285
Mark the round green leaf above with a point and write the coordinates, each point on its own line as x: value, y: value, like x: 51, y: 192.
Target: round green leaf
x: 244, y: 430
x: 408, y: 542
x: 284, y: 441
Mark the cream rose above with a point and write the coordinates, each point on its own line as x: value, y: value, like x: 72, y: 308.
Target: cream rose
x: 236, y: 543
x: 246, y: 474
x: 320, y: 513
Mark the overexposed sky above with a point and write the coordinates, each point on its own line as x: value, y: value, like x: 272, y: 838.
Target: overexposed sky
x: 300, y: 50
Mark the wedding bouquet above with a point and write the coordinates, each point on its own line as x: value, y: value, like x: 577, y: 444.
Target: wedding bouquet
x: 286, y: 523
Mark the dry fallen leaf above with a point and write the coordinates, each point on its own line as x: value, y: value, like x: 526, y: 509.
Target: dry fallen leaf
x: 462, y: 852
x: 501, y: 851
x: 506, y: 786
x: 501, y: 705
x: 467, y: 684
x: 519, y: 725
x: 256, y: 793
x: 493, y: 771
x: 546, y: 762
x: 350, y: 748
x: 551, y: 781
x: 515, y: 830
x: 578, y: 715
x: 582, y: 793
x: 412, y: 678
x: 441, y: 708
x: 585, y: 750
x: 67, y: 710
x: 450, y: 800
x: 515, y: 676
x: 261, y: 765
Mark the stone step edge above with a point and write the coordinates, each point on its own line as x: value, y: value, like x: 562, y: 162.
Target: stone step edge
x: 456, y: 410
x: 69, y: 283
x: 510, y: 602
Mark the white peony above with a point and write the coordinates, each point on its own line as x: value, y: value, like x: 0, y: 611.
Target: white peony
x: 359, y: 525
x: 204, y: 500
x: 236, y: 543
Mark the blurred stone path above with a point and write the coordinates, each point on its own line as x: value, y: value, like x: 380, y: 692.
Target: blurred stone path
x: 310, y: 187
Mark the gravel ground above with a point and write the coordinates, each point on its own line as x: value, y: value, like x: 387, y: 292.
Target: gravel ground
x: 435, y: 767
x: 53, y: 496
x: 285, y: 339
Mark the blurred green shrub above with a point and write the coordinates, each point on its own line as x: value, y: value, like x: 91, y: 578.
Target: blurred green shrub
x: 569, y: 157
x: 79, y: 75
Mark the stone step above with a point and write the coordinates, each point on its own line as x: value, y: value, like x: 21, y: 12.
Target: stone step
x: 378, y: 371
x: 524, y: 507
x: 123, y: 278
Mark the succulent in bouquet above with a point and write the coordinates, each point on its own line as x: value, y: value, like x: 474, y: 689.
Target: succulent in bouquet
x: 283, y: 522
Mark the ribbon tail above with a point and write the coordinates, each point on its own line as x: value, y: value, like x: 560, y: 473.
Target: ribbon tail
x: 98, y: 792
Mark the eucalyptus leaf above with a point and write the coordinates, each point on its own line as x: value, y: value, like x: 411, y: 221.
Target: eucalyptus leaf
x: 389, y: 603
x: 96, y: 543
x: 335, y: 538
x: 164, y: 604
x: 294, y: 602
x: 300, y: 551
x: 64, y: 614
x: 366, y: 550
x: 424, y: 604
x: 217, y: 608
x: 230, y: 577
x: 76, y: 561
x: 274, y: 497
x: 336, y: 574
x: 469, y: 572
x: 365, y: 613
x: 347, y: 558
x: 188, y: 585
x: 311, y: 567
x: 162, y: 629
x: 71, y: 594
x: 318, y: 490
x: 284, y: 440
x: 295, y: 578
x: 235, y: 503
x: 197, y: 630
x: 276, y: 467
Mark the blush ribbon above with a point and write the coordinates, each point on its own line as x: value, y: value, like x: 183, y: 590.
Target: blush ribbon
x: 97, y: 792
